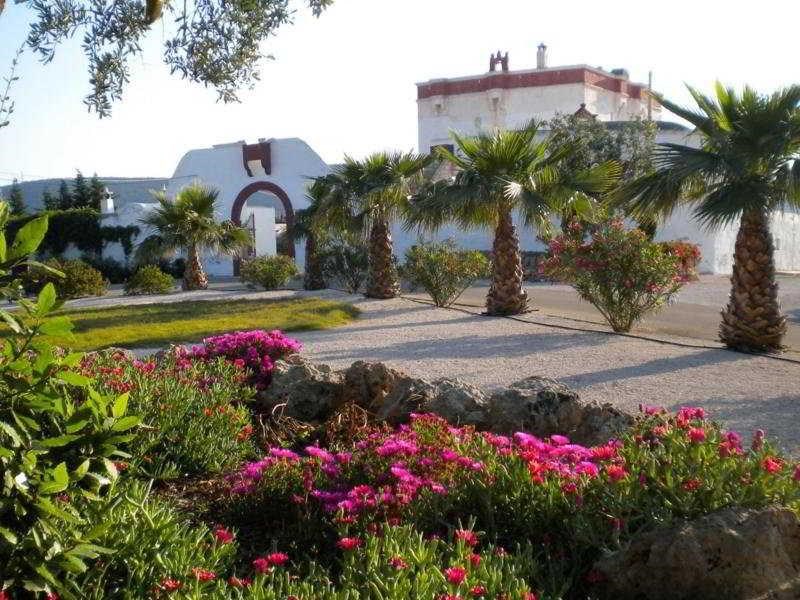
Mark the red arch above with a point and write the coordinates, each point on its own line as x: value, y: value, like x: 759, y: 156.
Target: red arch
x: 263, y: 186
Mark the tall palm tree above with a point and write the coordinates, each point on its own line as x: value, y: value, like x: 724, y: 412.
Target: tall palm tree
x: 308, y: 224
x: 498, y: 174
x: 376, y: 192
x: 746, y: 166
x: 188, y: 222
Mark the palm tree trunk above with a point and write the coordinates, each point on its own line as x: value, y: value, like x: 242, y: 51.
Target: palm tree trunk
x: 382, y: 281
x: 314, y: 279
x: 194, y: 277
x: 752, y: 320
x: 506, y: 296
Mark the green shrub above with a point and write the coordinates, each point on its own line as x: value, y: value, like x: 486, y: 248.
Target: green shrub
x: 76, y: 280
x: 149, y: 280
x: 346, y: 261
x: 620, y: 272
x: 113, y: 270
x: 196, y: 414
x: 58, y: 438
x: 268, y: 272
x: 443, y: 270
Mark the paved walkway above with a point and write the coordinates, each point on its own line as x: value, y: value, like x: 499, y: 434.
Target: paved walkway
x: 744, y: 392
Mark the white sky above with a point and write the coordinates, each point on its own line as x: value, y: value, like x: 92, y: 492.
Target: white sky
x: 345, y: 83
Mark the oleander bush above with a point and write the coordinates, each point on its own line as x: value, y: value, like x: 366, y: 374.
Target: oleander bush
x: 444, y: 270
x: 620, y: 272
x: 149, y: 279
x: 688, y: 255
x: 72, y: 278
x: 268, y: 272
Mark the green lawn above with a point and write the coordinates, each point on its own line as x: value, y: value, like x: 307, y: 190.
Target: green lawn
x: 160, y: 324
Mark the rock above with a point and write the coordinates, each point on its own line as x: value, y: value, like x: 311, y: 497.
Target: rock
x: 407, y: 395
x: 458, y: 402
x: 309, y: 391
x: 732, y: 554
x: 368, y: 384
x: 543, y: 406
x: 113, y: 352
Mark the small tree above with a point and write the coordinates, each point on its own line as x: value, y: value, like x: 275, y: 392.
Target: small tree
x: 188, y: 222
x: 97, y: 192
x: 444, y: 270
x: 49, y: 202
x: 16, y: 200
x: 80, y: 192
x: 64, y: 196
x: 620, y: 272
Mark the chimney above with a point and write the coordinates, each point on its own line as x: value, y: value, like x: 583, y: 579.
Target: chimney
x: 541, y: 57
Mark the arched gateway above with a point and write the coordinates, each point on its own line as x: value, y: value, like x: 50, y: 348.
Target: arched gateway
x: 261, y: 186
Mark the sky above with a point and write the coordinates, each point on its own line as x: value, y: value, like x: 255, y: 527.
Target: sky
x: 345, y: 82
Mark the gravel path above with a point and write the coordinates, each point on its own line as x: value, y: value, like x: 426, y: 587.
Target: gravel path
x: 744, y: 392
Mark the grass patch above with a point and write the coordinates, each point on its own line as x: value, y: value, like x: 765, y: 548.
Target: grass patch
x: 153, y: 325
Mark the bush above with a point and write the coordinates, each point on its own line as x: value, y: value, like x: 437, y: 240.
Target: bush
x: 58, y: 438
x: 149, y: 280
x: 444, y: 271
x: 196, y: 411
x: 688, y: 255
x: 346, y: 261
x: 255, y: 351
x: 113, y: 270
x: 268, y: 272
x: 77, y: 281
x: 620, y: 272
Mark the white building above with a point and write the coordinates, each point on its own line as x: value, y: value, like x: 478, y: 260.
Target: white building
x: 505, y: 99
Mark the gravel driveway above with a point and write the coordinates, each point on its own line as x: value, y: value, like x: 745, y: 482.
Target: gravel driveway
x: 744, y: 392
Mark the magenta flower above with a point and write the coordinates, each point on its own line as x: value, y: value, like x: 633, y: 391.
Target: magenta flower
x: 455, y: 575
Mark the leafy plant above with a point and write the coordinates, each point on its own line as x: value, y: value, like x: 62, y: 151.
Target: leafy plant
x: 620, y: 272
x: 346, y: 261
x: 112, y: 270
x: 184, y: 404
x: 443, y: 270
x: 76, y: 280
x: 268, y: 272
x: 149, y: 279
x: 58, y: 437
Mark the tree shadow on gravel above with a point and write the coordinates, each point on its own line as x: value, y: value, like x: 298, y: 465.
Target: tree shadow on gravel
x: 465, y: 347
x: 655, y: 367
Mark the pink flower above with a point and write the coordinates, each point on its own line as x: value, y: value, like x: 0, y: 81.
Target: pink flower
x: 529, y: 596
x: 697, y: 435
x: 772, y: 464
x: 223, y: 535
x: 349, y: 543
x: 474, y: 559
x: 616, y: 472
x: 691, y: 485
x: 397, y: 562
x: 261, y: 565
x: 455, y: 575
x: 277, y: 559
x: 203, y: 574
x: 170, y: 585
x: 477, y: 591
x: 469, y: 537
x: 236, y: 582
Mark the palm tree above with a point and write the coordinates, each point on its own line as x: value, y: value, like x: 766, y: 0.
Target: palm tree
x: 189, y: 223
x: 746, y: 167
x: 308, y: 225
x: 498, y: 174
x: 375, y: 191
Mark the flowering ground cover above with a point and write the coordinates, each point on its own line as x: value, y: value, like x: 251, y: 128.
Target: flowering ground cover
x: 423, y: 510
x: 156, y: 325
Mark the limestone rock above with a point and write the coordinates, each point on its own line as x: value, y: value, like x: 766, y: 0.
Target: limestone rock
x: 309, y: 391
x: 458, y: 402
x: 407, y: 395
x: 368, y: 384
x: 732, y: 554
x: 543, y: 406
